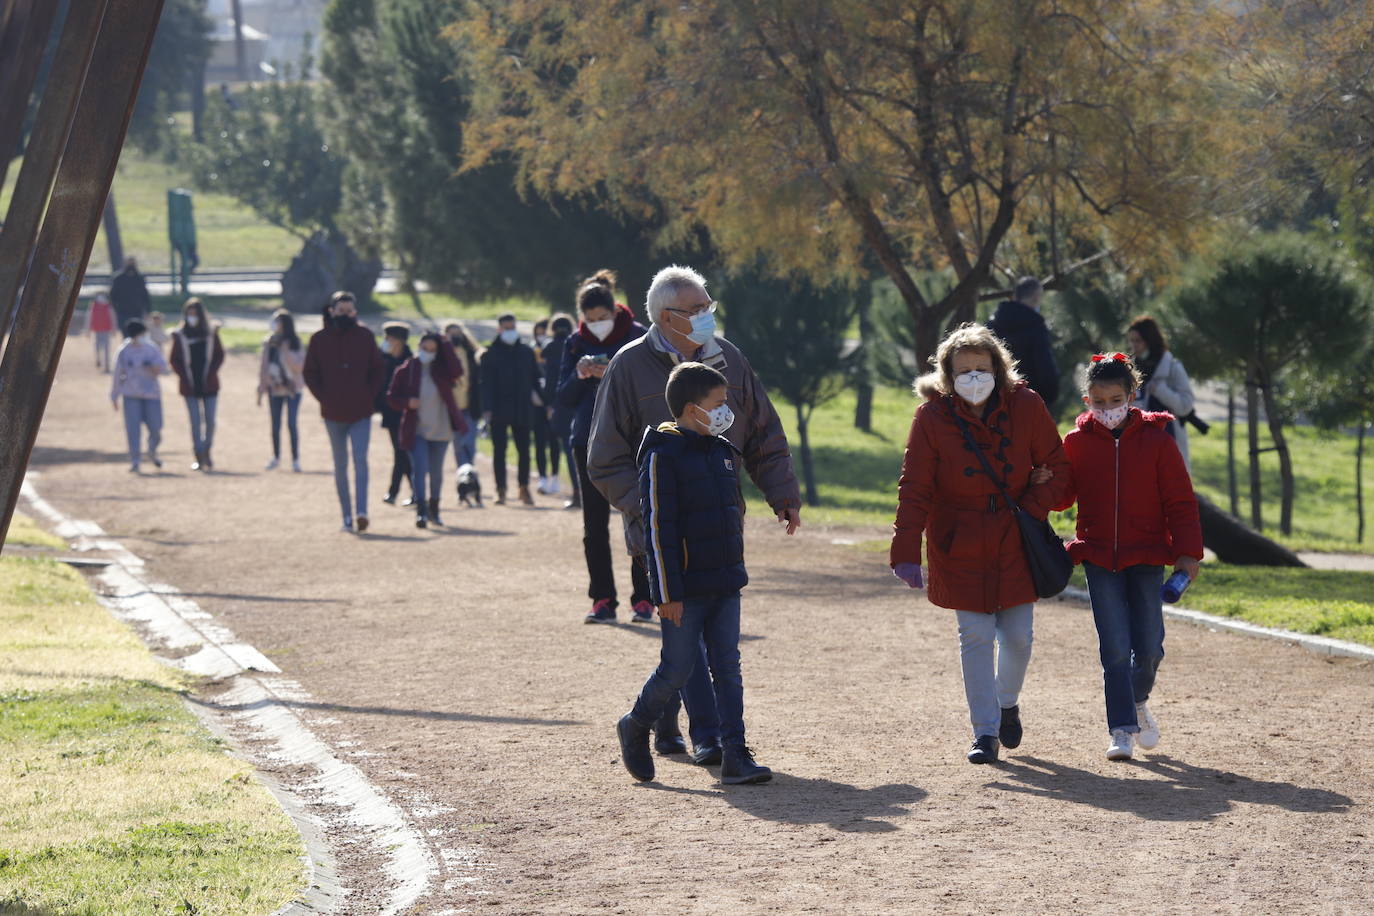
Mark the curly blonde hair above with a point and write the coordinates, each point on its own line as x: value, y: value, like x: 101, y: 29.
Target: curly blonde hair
x: 969, y: 336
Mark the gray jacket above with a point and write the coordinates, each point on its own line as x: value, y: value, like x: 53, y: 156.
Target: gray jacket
x: 630, y: 400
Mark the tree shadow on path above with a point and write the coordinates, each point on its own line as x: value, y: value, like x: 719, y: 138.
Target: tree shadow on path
x: 1185, y: 793
x: 799, y: 800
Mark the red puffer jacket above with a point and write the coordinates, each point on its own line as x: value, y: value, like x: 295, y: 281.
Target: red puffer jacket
x: 1135, y: 498
x: 975, y: 558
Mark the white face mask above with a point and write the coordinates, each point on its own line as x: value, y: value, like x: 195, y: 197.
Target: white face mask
x: 426, y: 356
x: 602, y: 329
x: 142, y: 338
x: 1111, y: 417
x: 718, y: 420
x: 192, y: 320
x: 975, y: 386
x: 510, y: 337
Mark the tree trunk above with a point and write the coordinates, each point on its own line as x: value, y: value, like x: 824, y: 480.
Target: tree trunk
x: 1231, y: 485
x: 113, y: 241
x: 1271, y: 413
x: 240, y: 52
x: 928, y: 328
x: 1233, y: 542
x: 808, y: 471
x: 863, y: 386
x: 1359, y: 484
x: 1252, y: 421
x: 197, y: 103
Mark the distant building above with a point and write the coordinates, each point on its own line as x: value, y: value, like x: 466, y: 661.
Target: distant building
x: 282, y: 26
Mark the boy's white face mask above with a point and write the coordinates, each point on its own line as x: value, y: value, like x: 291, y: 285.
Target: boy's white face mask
x: 718, y: 420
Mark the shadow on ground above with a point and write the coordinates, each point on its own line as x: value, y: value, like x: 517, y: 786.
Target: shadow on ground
x: 1183, y: 793
x: 799, y: 800
x: 388, y: 711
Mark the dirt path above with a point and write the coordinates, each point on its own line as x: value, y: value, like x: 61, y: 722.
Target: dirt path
x: 454, y: 667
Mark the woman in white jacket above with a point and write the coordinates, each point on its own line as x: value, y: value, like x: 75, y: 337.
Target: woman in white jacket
x: 1166, y: 384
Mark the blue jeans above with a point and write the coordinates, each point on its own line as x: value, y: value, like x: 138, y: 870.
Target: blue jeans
x: 292, y: 403
x: 140, y: 412
x: 427, y: 462
x: 713, y: 621
x: 202, y: 437
x: 1129, y: 614
x: 341, y: 435
x: 465, y: 444
x: 992, y: 687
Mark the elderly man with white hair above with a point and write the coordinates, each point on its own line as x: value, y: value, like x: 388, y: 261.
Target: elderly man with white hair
x: 631, y: 399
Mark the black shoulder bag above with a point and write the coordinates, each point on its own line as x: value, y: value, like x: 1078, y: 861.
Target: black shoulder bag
x: 1050, y: 565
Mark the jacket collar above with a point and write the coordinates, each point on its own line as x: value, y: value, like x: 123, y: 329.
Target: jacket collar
x: 712, y: 354
x: 1136, y: 420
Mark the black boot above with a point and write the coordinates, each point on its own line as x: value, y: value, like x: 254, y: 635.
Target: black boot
x: 1009, y: 733
x: 634, y: 748
x: 420, y: 521
x: 434, y: 511
x: 209, y: 464
x: 983, y: 750
x: 738, y: 767
x: 668, y: 737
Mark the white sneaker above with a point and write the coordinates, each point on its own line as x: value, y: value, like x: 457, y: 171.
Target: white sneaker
x: 551, y: 488
x: 272, y: 465
x: 1121, y: 747
x: 543, y: 488
x: 1149, y: 727
x: 296, y: 466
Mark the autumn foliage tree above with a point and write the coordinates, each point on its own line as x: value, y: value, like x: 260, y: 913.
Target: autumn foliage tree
x: 825, y: 134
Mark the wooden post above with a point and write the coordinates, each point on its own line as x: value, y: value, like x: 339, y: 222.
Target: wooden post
x: 21, y: 51
x: 68, y: 234
x: 1252, y: 422
x: 51, y: 127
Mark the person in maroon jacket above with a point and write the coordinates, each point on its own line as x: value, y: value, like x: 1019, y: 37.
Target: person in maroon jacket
x: 1136, y: 513
x: 345, y: 373
x: 422, y: 391
x: 196, y: 357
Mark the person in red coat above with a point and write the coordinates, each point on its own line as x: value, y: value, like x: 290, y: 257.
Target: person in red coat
x: 1136, y: 513
x: 422, y: 391
x: 976, y: 563
x: 196, y: 357
x: 345, y: 373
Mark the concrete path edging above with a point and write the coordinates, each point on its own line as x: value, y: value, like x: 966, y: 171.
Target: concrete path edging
x: 1322, y: 645
x: 258, y: 706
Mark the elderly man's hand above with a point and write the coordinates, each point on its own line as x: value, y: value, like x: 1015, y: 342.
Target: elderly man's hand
x: 791, y: 518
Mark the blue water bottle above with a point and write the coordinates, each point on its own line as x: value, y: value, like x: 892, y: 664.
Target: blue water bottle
x: 1174, y: 588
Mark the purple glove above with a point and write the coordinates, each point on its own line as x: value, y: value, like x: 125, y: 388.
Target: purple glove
x: 910, y: 573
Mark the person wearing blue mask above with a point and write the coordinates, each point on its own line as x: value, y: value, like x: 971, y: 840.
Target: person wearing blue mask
x: 509, y: 401
x: 631, y: 398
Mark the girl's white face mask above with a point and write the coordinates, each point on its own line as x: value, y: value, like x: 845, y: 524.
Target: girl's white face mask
x: 975, y: 386
x: 602, y: 329
x: 1110, y: 417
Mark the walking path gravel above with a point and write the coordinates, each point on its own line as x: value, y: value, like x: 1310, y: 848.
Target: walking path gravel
x: 453, y: 668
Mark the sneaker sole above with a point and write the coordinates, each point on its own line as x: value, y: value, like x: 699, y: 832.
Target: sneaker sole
x: 597, y: 620
x: 1118, y: 755
x: 1147, y: 747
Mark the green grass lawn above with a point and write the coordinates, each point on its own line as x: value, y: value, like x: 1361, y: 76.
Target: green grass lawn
x: 114, y: 799
x: 228, y: 234
x: 1321, y: 602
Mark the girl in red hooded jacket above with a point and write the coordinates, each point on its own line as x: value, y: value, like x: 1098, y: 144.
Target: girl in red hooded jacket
x: 1136, y: 513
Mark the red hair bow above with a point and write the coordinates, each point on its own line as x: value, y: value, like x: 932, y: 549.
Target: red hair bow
x: 1119, y: 357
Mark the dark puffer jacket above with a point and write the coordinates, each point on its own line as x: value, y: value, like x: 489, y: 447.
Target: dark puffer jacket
x: 693, y: 514
x: 579, y: 394
x: 1026, y: 335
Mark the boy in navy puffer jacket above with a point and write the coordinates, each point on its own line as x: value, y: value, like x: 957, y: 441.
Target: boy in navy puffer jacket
x: 694, y: 525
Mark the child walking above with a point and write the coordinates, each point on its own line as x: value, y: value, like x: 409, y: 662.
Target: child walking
x: 694, y: 528
x: 137, y: 368
x: 1136, y: 513
x: 100, y: 325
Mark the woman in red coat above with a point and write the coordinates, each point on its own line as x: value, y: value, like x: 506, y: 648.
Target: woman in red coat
x: 976, y: 563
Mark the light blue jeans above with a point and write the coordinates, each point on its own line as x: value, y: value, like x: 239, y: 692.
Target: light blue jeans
x: 341, y: 436
x: 991, y: 688
x: 427, y: 469
x: 465, y: 444
x: 202, y: 437
x: 140, y: 412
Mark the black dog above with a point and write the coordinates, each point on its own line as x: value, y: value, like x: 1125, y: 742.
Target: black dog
x: 469, y: 487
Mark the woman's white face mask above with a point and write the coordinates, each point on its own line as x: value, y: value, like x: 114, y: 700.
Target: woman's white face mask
x: 974, y: 386
x: 602, y: 329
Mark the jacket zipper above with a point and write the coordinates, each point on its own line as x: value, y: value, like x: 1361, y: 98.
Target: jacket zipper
x: 1116, y: 511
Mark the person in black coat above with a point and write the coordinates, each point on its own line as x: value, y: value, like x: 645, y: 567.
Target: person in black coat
x: 509, y: 400
x: 129, y: 294
x: 395, y: 351
x: 1022, y: 328
x: 560, y: 418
